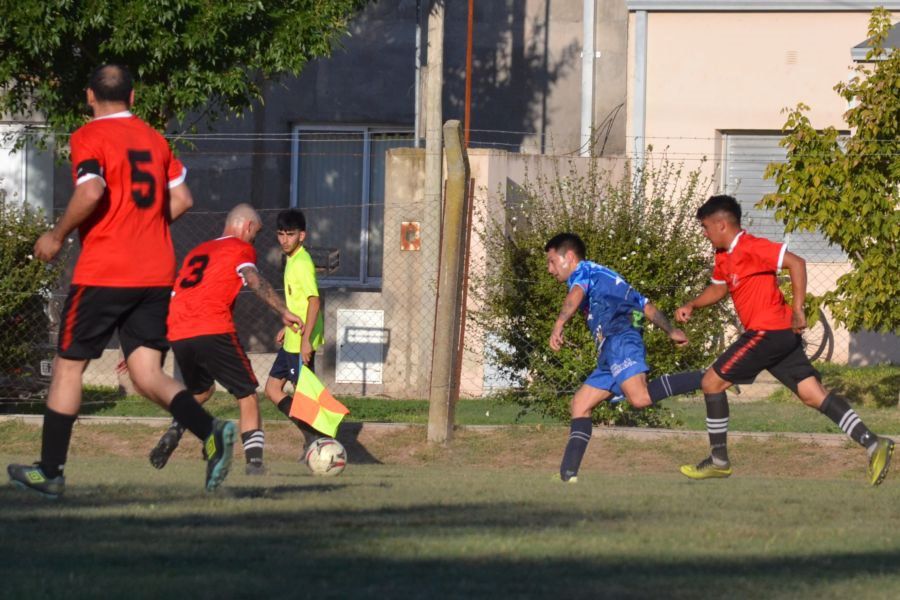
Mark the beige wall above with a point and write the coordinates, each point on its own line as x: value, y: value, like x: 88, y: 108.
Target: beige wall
x: 714, y: 72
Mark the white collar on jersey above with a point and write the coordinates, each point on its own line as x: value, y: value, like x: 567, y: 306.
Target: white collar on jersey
x: 735, y: 240
x: 119, y: 115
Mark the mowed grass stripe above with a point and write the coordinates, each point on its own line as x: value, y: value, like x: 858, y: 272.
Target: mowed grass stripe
x: 478, y: 518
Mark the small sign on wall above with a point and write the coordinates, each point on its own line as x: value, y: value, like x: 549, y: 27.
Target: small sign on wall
x: 409, y: 236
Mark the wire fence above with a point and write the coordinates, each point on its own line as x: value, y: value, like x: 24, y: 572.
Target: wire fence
x: 377, y: 257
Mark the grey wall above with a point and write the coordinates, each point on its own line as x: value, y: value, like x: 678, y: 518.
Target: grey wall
x: 525, y: 93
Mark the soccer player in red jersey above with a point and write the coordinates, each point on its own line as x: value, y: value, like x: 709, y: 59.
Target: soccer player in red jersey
x: 746, y: 267
x: 128, y: 188
x: 202, y: 332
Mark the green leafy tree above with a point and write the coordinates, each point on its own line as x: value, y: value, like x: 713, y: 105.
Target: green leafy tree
x: 644, y: 230
x: 186, y: 55
x: 848, y: 187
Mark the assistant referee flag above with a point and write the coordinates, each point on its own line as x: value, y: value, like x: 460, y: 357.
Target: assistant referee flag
x: 314, y: 404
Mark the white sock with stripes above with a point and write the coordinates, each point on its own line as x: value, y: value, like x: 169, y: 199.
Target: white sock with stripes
x: 253, y: 441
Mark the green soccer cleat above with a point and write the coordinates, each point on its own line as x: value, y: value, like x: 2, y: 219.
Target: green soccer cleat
x: 166, y: 445
x: 706, y: 469
x: 31, y: 477
x: 880, y: 461
x: 218, y: 449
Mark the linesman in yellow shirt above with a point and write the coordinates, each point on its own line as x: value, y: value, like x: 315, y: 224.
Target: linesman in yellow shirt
x: 301, y: 293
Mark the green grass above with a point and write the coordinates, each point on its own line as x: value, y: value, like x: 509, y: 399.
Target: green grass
x: 788, y: 416
x: 870, y: 386
x: 477, y: 519
x: 379, y: 410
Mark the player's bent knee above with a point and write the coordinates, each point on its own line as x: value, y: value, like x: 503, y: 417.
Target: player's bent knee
x: 712, y: 383
x: 640, y: 401
x: 205, y: 395
x: 275, y: 389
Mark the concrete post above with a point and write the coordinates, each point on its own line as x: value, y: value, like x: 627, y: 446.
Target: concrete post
x: 444, y: 378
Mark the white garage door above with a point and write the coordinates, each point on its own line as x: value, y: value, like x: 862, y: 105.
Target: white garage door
x: 746, y: 158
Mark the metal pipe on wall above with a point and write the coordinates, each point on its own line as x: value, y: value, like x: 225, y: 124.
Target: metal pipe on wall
x: 417, y: 119
x: 587, y: 79
x: 468, y: 109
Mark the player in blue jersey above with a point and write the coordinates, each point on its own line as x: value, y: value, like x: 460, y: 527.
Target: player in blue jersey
x: 615, y: 314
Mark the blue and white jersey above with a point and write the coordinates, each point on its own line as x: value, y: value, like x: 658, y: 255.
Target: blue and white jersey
x: 610, y: 303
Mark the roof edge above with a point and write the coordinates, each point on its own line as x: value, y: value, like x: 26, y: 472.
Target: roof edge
x: 758, y: 5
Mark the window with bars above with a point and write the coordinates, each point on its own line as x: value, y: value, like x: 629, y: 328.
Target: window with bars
x: 337, y: 180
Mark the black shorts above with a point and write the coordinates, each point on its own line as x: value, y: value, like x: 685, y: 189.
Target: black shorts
x: 208, y: 358
x: 92, y: 313
x: 780, y: 352
x: 287, y: 366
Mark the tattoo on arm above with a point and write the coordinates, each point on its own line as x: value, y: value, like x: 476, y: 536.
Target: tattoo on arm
x: 263, y: 289
x: 569, y: 308
x: 660, y: 320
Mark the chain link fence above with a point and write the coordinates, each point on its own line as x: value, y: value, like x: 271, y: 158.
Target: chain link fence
x: 377, y: 264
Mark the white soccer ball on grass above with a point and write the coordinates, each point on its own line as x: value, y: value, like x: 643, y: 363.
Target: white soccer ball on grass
x: 326, y: 456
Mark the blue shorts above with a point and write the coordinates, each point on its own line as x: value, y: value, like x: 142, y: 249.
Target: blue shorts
x: 287, y: 366
x: 621, y: 356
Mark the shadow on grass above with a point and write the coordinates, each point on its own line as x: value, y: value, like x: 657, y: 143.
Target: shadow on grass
x: 280, y: 490
x: 348, y: 435
x: 422, y: 551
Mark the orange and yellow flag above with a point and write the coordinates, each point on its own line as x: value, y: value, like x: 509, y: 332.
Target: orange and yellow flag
x: 314, y: 404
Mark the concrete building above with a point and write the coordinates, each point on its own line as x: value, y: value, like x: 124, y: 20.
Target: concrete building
x: 708, y: 81
x: 700, y: 79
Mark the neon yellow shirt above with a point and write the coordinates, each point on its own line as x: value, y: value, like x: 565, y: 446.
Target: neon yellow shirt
x: 299, y: 286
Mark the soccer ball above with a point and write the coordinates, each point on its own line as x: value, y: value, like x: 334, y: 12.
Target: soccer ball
x: 326, y: 456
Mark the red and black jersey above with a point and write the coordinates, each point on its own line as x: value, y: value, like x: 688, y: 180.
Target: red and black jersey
x: 206, y: 286
x: 750, y: 269
x: 126, y: 241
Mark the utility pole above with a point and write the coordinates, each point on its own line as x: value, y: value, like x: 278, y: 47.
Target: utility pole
x: 434, y: 171
x: 448, y: 316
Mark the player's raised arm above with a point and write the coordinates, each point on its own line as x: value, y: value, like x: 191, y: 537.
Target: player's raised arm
x: 659, y: 319
x: 713, y: 293
x: 796, y: 266
x: 570, y: 306
x: 267, y: 293
x: 82, y: 204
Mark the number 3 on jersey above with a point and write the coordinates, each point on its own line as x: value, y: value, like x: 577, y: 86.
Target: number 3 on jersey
x: 143, y: 186
x: 199, y: 264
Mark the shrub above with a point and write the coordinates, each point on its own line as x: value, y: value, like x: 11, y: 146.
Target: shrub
x: 25, y: 286
x: 643, y: 228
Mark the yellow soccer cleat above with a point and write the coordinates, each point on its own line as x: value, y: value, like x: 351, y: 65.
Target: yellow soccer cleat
x: 880, y: 461
x: 558, y: 477
x: 706, y: 469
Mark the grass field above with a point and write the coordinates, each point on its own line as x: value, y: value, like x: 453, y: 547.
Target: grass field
x: 478, y: 518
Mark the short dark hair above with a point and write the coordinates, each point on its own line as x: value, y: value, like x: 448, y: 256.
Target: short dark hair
x: 721, y: 203
x: 563, y: 242
x: 291, y: 219
x: 111, y: 83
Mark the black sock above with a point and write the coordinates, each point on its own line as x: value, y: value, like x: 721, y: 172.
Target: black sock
x: 579, y: 435
x: 55, y: 438
x: 309, y: 434
x: 717, y: 426
x: 254, y: 441
x: 191, y: 415
x: 838, y: 410
x: 674, y: 384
